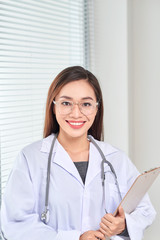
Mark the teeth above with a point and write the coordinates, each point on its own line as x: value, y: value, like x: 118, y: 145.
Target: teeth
x: 76, y: 123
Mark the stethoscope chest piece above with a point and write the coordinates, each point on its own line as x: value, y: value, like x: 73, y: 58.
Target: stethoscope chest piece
x: 45, y: 216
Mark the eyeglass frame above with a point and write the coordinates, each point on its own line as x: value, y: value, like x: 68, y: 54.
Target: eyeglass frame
x: 75, y: 103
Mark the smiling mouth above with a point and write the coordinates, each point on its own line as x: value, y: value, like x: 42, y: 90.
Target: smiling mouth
x: 75, y: 124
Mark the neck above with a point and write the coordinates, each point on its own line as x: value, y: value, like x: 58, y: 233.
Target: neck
x: 73, y: 144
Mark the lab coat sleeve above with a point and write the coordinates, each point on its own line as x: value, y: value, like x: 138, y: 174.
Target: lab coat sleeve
x: 19, y: 219
x: 143, y: 216
x: 140, y: 219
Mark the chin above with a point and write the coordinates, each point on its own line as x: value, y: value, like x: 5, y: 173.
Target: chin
x: 76, y: 134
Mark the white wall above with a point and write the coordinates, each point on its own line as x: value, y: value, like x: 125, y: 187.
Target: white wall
x: 111, y: 67
x: 127, y: 44
x: 144, y: 20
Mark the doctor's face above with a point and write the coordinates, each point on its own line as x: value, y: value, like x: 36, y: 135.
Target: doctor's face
x: 75, y: 108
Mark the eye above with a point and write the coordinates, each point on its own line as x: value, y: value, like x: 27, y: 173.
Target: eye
x: 66, y: 103
x: 86, y: 104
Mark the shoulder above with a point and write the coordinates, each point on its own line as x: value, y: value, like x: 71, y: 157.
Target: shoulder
x: 106, y: 148
x: 123, y: 166
x: 35, y: 154
x: 42, y: 145
x: 113, y: 154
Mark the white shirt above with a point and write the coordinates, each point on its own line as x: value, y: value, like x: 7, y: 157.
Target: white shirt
x: 74, y: 207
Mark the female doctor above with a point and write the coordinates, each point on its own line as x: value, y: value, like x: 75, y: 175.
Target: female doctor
x: 61, y: 188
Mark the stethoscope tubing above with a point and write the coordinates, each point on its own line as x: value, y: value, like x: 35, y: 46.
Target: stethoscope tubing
x: 45, y: 213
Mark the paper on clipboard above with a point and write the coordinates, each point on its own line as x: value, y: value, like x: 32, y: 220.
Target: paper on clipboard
x: 138, y: 189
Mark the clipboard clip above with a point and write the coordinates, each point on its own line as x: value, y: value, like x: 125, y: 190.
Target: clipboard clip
x: 152, y: 169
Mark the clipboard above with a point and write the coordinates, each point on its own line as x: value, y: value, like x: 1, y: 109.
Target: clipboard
x: 138, y: 189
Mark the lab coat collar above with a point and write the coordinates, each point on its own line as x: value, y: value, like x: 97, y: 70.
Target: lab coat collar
x: 46, y: 144
x: 62, y: 158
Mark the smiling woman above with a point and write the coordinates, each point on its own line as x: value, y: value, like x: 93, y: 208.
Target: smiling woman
x: 76, y: 88
x: 68, y: 185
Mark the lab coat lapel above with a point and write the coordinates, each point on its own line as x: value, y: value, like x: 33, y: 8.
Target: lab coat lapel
x: 60, y: 157
x: 63, y: 159
x: 94, y: 166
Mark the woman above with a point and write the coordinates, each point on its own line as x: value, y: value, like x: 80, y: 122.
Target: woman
x: 80, y: 208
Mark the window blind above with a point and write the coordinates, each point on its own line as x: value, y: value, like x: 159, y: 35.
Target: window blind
x: 39, y: 38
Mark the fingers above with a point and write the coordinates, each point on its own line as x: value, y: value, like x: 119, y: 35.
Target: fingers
x: 99, y: 235
x: 92, y: 235
x: 110, y: 225
x: 106, y: 228
x: 108, y: 219
x: 106, y: 225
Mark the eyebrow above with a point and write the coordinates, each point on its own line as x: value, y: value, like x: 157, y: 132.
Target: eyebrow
x: 70, y: 98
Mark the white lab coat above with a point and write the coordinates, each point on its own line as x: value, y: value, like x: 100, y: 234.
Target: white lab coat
x: 74, y: 207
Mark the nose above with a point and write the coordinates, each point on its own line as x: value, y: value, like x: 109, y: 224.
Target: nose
x: 75, y: 111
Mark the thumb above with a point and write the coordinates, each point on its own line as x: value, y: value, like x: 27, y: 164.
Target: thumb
x: 120, y: 211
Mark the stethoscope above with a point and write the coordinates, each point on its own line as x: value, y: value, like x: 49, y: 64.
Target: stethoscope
x: 45, y: 214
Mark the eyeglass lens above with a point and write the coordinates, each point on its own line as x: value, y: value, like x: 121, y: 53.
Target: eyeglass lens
x: 86, y: 107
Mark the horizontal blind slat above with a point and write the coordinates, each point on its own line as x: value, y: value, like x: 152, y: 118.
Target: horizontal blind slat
x: 38, y: 13
x: 51, y: 40
x: 38, y: 40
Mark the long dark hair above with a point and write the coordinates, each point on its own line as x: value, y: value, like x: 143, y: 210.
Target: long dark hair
x: 71, y: 74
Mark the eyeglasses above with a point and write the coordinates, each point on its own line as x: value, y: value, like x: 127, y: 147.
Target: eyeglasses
x: 86, y: 107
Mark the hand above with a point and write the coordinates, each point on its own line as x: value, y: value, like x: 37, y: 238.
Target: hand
x: 111, y: 226
x: 92, y: 235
